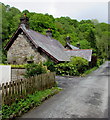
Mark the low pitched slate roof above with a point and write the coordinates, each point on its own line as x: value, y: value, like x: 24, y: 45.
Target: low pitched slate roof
x: 50, y: 46
x: 84, y: 53
x: 72, y: 47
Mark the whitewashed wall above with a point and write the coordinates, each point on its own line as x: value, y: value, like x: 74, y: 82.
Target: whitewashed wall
x: 5, y: 73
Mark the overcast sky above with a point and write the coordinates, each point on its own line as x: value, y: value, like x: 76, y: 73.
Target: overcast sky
x: 75, y: 9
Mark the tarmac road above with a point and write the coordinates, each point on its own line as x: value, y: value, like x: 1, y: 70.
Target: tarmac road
x: 82, y: 97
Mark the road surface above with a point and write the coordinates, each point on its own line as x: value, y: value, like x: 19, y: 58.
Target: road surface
x: 82, y: 97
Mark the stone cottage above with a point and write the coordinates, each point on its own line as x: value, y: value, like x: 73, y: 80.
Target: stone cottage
x: 27, y: 46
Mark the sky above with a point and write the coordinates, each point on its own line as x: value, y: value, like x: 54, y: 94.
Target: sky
x: 75, y: 9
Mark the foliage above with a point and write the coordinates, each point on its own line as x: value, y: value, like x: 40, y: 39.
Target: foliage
x: 89, y: 71
x: 35, y: 69
x: 50, y: 65
x: 80, y: 63
x: 15, y: 66
x: 26, y: 104
x: 99, y: 62
x: 76, y: 66
x: 18, y: 66
x: 89, y: 33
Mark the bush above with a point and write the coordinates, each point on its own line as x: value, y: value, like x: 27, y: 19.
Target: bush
x: 50, y: 65
x: 35, y: 69
x: 99, y: 62
x: 81, y: 64
x: 76, y: 66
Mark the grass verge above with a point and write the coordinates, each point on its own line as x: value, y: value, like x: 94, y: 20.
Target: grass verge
x: 24, y: 105
x: 89, y: 71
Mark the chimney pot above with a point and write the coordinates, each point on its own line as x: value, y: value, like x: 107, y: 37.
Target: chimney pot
x: 78, y: 45
x: 49, y: 32
x: 68, y: 39
x: 25, y: 20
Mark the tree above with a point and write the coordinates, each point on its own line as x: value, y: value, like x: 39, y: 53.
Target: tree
x: 95, y: 21
x: 89, y: 33
x: 91, y: 38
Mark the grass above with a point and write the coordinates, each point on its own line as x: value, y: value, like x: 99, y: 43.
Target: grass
x: 89, y: 71
x: 24, y: 105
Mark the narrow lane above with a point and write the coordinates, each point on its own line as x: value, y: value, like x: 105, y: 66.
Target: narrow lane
x: 82, y: 97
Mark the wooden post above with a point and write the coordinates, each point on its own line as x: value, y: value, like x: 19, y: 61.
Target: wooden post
x: 25, y: 84
x: 36, y: 83
x: 9, y: 88
x: 21, y: 87
x: 16, y: 89
x: 13, y: 92
x: 3, y: 94
x: 6, y: 89
x: 18, y: 84
x: 33, y: 84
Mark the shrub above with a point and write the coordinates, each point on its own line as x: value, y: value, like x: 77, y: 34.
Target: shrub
x: 65, y: 69
x: 50, y: 65
x: 35, y: 69
x: 99, y: 62
x: 81, y: 64
x: 76, y: 66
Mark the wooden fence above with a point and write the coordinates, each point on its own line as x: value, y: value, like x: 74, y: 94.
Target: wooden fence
x: 21, y: 88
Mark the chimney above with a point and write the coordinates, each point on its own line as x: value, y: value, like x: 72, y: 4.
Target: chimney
x: 49, y: 32
x: 68, y: 39
x: 78, y: 45
x: 25, y: 20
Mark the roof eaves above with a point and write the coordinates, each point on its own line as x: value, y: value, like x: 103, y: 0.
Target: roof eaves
x: 56, y: 61
x: 11, y: 40
x: 76, y: 49
x: 30, y: 38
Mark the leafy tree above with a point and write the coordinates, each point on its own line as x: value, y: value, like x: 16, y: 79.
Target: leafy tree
x: 84, y: 44
x: 95, y: 21
x: 89, y: 33
x: 91, y: 38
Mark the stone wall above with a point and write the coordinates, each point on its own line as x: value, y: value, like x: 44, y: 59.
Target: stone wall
x: 17, y: 73
x: 22, y: 50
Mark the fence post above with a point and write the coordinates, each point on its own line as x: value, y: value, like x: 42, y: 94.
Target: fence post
x: 21, y: 84
x: 9, y: 88
x: 13, y: 91
x: 18, y: 88
x: 3, y: 94
x: 6, y: 88
x: 36, y: 83
x: 21, y: 88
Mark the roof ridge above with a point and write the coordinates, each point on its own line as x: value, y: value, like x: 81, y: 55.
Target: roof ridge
x: 76, y: 49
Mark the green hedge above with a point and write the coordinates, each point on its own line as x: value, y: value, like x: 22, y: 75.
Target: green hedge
x: 15, y: 66
x: 76, y: 66
x: 35, y: 69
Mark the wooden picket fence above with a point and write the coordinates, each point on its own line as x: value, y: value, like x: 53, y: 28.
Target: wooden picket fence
x: 21, y: 88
